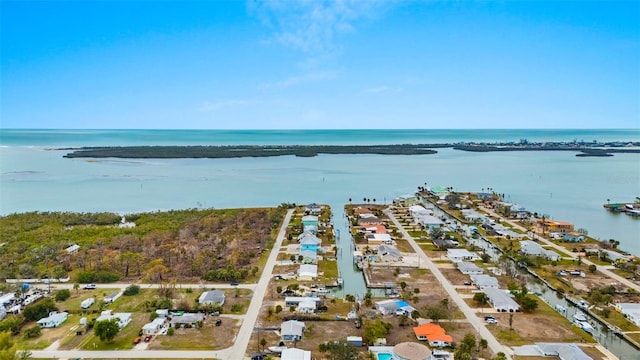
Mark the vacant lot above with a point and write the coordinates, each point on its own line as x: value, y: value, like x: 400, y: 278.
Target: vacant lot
x: 209, y: 337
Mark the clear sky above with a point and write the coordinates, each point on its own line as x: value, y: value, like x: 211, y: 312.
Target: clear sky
x: 319, y: 64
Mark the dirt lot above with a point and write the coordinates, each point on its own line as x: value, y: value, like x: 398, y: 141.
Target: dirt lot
x: 209, y: 337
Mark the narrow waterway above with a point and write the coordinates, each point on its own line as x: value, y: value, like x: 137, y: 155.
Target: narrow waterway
x: 353, y: 280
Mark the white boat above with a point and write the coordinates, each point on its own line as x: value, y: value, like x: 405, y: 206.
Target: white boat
x: 580, y: 316
x: 561, y: 309
x: 583, y: 304
x: 277, y: 349
x: 339, y: 281
x: 584, y: 326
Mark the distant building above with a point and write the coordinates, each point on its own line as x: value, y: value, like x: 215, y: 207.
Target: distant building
x: 501, y: 300
x: 54, y: 320
x: 528, y: 247
x: 212, y: 297
x: 469, y: 268
x: 154, y: 327
x: 123, y: 318
x: 308, y: 272
x: 186, y: 320
x: 112, y: 297
x: 72, y: 249
x: 295, y: 354
x: 631, y: 311
x: 411, y: 351
x: 308, y: 256
x: 483, y: 282
x: 292, y: 330
x: 389, y: 253
x: 378, y: 239
x: 456, y: 255
x: 372, y: 229
x: 434, y: 334
x: 313, y: 209
x: 86, y: 303
x: 548, y: 225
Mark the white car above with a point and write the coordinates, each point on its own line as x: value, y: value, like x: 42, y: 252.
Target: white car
x: 89, y: 286
x: 491, y: 321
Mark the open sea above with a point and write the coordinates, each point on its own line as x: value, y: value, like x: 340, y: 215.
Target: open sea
x: 35, y: 177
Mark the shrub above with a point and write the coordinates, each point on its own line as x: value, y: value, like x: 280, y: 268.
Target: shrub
x: 62, y: 295
x: 236, y: 308
x: 131, y: 290
x: 171, y: 331
x: 33, y: 332
x: 278, y: 309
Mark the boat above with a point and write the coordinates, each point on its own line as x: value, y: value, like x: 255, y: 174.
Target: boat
x: 580, y: 316
x: 561, y: 309
x: 583, y: 304
x: 339, y: 281
x: 278, y: 349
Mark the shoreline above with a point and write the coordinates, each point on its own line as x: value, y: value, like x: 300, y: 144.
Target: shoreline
x: 242, y: 151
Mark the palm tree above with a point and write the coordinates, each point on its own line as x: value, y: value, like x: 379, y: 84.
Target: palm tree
x: 349, y: 200
x: 374, y: 200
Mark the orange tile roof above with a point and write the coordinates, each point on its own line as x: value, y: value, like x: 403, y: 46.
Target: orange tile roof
x: 380, y: 229
x: 432, y: 331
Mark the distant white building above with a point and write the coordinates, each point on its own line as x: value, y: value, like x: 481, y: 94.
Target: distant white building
x: 483, y: 282
x: 154, y: 327
x: 123, y: 318
x: 112, y: 297
x: 54, y: 320
x: 72, y: 249
x: 501, y: 300
x: 456, y: 255
x: 529, y: 247
x: 212, y: 297
x: 631, y: 311
x: 295, y: 354
x: 86, y: 303
x: 469, y: 268
x: 308, y: 272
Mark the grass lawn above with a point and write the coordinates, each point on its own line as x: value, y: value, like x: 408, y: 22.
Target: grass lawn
x: 49, y: 335
x: 329, y: 268
x: 617, y: 319
x: 124, y: 339
x: 209, y: 337
x: 72, y: 304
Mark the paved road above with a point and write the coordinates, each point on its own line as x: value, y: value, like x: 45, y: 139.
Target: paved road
x: 474, y: 320
x: 602, y: 269
x: 56, y: 286
x: 244, y: 335
x: 235, y: 352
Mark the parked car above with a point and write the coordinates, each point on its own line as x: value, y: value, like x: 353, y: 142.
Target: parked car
x: 147, y: 338
x: 234, y: 283
x: 89, y: 286
x: 137, y: 340
x: 491, y: 321
x: 258, y: 357
x: 468, y: 283
x: 218, y: 322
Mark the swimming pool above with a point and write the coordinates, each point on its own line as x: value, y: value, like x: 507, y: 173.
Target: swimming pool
x: 385, y: 356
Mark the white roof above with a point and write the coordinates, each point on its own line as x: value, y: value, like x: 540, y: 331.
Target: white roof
x: 308, y: 303
x: 292, y: 327
x: 380, y: 237
x: 533, y: 248
x: 295, y: 354
x: 308, y: 270
x: 429, y: 220
x: 466, y: 266
x: 459, y: 253
x: 417, y: 209
x: 563, y: 351
x: 483, y: 280
x: 308, y: 238
x: 309, y: 218
x: 72, y: 248
x: 500, y: 298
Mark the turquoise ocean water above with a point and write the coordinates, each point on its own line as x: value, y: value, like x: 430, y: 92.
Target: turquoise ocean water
x: 35, y: 177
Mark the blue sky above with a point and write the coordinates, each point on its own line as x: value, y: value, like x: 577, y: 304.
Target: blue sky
x: 319, y: 64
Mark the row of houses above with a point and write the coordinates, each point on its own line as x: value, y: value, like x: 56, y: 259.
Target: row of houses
x: 425, y: 217
x: 501, y: 300
x: 528, y: 247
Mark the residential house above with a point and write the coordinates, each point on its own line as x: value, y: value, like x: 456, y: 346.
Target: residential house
x: 310, y: 223
x: 417, y: 211
x: 307, y: 306
x: 297, y: 300
x: 313, y: 209
x: 186, y: 320
x: 355, y: 340
x: 378, y: 239
x: 430, y: 222
x: 309, y: 241
x: 112, y: 297
x: 389, y: 253
x: 123, y: 318
x: 483, y: 282
x: 372, y: 229
x: 501, y: 300
x: 54, y: 320
x: 573, y: 237
x: 154, y: 327
x: 631, y: 311
x: 292, y: 330
x: 456, y: 255
x: 547, y: 225
x: 295, y: 354
x: 214, y: 297
x: 434, y: 334
x: 471, y: 215
x: 562, y: 351
x: 308, y: 256
x: 308, y: 272
x: 469, y: 268
x: 528, y: 247
x: 519, y: 212
x: 86, y: 303
x: 411, y: 351
x: 445, y: 243
x: 387, y: 307
x: 368, y: 220
x: 613, y: 256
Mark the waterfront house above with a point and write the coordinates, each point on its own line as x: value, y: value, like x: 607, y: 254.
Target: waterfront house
x: 307, y: 306
x: 434, y: 334
x: 292, y: 330
x: 613, y: 256
x: 313, y: 209
x: 389, y: 253
x: 416, y: 211
x: 456, y: 255
x: 308, y: 272
x: 372, y: 229
x: 186, y: 320
x: 295, y: 354
x: 54, y: 320
x: 483, y: 282
x: 310, y: 220
x: 308, y: 256
x: 445, y: 243
x: 368, y: 220
x: 631, y: 311
x: 528, y: 247
x: 154, y: 327
x: 309, y: 242
x: 519, y: 212
x: 378, y: 239
x: 501, y: 300
x: 469, y: 268
x: 548, y: 225
x: 386, y: 307
x: 430, y: 222
x: 123, y: 318
x: 573, y: 237
x: 471, y: 215
x: 214, y: 297
x: 297, y: 300
x: 411, y: 351
x: 562, y: 351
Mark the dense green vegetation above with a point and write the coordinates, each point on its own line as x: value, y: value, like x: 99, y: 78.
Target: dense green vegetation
x: 239, y: 151
x: 163, y: 245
